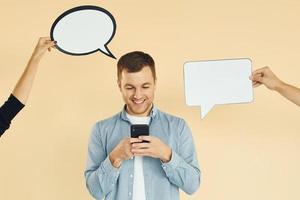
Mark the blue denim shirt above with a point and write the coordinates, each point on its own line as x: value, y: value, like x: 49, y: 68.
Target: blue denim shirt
x: 162, y: 180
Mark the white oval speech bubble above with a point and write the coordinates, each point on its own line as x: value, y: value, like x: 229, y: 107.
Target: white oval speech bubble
x: 84, y: 30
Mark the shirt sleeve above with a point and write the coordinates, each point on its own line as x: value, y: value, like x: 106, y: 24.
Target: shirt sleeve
x: 8, y: 111
x: 183, y: 168
x: 100, y: 175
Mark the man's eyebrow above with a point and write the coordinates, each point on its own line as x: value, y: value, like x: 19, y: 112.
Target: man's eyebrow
x: 127, y: 84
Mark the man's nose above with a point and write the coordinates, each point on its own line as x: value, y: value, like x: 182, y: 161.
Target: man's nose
x: 137, y: 94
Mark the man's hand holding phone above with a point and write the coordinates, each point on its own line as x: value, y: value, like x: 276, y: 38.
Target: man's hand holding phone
x: 122, y: 151
x: 150, y: 145
x: 140, y: 144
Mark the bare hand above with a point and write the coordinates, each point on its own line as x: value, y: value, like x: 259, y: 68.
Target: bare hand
x: 267, y: 77
x: 154, y: 148
x: 44, y: 43
x: 122, y: 151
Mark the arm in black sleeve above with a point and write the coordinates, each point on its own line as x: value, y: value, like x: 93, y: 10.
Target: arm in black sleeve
x: 8, y: 111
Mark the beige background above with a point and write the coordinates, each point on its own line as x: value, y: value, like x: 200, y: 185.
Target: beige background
x: 246, y: 151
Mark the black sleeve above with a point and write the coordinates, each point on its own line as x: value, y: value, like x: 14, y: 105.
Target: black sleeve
x: 8, y: 111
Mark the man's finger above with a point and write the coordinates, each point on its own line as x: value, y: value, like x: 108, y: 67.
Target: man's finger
x: 140, y: 145
x: 146, y: 138
x: 133, y: 140
x: 129, y: 154
x: 140, y: 151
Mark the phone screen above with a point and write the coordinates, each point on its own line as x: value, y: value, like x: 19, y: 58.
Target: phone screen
x: 137, y: 130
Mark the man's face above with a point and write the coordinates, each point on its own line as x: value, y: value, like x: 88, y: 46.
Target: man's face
x: 137, y: 89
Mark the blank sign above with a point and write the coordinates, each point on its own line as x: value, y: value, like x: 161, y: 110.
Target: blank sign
x: 208, y: 83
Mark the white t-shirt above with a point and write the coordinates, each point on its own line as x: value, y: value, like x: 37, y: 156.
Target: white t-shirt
x: 138, y: 178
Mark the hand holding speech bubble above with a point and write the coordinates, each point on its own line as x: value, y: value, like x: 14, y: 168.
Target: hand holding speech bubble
x: 84, y: 30
x: 208, y: 83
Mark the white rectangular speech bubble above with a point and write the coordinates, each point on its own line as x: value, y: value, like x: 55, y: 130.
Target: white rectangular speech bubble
x: 208, y: 83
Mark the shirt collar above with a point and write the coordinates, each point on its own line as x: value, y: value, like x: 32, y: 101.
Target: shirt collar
x: 153, y: 112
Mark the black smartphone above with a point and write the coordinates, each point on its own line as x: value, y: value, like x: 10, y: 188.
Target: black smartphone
x: 137, y: 130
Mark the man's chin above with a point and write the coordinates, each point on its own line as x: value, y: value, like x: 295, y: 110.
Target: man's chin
x: 139, y: 111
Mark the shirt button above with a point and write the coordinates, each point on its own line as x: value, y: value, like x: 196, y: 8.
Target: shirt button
x: 131, y: 175
x: 129, y: 193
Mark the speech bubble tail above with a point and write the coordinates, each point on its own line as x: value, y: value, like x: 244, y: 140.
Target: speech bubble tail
x: 107, y: 52
x: 205, y: 109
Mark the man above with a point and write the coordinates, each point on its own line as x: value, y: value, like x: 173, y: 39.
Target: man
x: 18, y: 98
x: 269, y: 79
x: 120, y: 167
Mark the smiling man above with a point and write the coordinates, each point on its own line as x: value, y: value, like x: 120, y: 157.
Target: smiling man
x: 149, y: 167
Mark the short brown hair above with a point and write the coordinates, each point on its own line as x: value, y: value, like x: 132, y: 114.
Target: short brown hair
x: 134, y: 62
